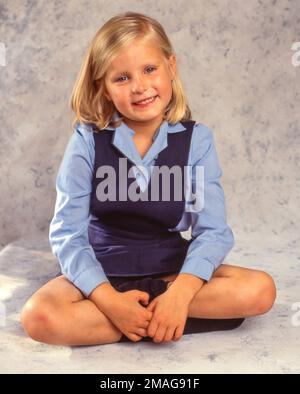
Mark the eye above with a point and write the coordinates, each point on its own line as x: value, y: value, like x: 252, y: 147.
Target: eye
x: 120, y: 78
x: 124, y: 76
x: 153, y: 68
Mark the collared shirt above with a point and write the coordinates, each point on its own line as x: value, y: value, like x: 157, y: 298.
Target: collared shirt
x: 212, y: 238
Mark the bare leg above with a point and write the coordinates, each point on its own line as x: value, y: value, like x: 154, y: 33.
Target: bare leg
x: 58, y: 313
x: 233, y: 292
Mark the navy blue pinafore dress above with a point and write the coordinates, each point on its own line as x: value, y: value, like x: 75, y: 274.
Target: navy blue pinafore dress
x: 131, y: 239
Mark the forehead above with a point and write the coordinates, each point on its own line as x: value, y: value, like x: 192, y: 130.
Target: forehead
x: 135, y: 54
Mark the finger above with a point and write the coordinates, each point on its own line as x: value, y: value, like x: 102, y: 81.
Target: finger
x: 151, y: 306
x: 145, y: 324
x: 160, y: 334
x: 169, y: 334
x: 149, y: 316
x: 178, y: 333
x: 143, y: 297
x: 152, y: 328
x: 142, y: 332
x: 134, y: 337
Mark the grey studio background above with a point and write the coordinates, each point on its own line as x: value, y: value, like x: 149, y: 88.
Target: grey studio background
x: 242, y: 79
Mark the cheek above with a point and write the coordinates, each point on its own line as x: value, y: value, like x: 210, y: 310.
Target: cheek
x: 165, y: 85
x: 119, y: 96
x: 167, y: 92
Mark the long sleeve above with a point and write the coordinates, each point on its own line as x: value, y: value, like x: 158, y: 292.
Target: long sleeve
x: 68, y: 232
x: 212, y: 238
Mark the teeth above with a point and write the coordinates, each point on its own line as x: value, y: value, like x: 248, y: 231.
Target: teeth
x: 146, y: 101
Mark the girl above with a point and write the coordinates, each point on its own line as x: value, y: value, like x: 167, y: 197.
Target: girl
x: 126, y: 272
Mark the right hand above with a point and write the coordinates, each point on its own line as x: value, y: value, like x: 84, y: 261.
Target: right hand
x: 128, y: 315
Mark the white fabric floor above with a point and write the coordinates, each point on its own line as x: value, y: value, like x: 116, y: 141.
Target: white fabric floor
x: 268, y: 343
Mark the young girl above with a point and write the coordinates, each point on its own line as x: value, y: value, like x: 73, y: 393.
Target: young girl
x: 126, y: 272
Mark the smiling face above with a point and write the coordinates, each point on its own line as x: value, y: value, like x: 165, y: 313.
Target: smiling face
x: 138, y: 72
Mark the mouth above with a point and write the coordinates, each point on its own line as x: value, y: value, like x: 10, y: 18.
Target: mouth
x: 146, y: 102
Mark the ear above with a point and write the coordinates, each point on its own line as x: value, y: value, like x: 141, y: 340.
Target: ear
x: 105, y: 93
x: 107, y: 96
x: 172, y: 65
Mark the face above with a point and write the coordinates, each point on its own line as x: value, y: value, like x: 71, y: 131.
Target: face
x: 140, y: 72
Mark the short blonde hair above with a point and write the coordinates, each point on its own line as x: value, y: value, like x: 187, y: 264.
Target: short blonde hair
x: 88, y: 100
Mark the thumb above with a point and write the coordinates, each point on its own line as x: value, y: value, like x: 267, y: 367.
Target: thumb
x: 143, y: 297
x: 151, y: 306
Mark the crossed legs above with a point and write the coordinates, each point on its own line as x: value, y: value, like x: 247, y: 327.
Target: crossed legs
x: 58, y: 313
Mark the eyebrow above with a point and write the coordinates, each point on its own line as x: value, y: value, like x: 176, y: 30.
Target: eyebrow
x: 115, y: 72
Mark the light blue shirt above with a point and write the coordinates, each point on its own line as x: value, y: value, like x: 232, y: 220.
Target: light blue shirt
x: 68, y: 232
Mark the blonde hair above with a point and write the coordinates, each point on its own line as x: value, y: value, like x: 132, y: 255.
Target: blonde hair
x: 88, y: 100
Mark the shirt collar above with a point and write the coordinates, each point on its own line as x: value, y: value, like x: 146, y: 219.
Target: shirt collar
x: 171, y: 128
x: 127, y: 146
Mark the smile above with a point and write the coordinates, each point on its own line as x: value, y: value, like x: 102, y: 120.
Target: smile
x: 146, y: 103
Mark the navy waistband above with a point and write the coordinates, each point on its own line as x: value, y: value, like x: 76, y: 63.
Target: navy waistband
x: 98, y: 225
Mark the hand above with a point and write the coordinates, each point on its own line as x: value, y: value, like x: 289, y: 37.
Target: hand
x: 170, y: 312
x: 128, y: 315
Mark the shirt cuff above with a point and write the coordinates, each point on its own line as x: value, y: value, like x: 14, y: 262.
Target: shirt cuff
x: 204, y: 269
x: 89, y: 279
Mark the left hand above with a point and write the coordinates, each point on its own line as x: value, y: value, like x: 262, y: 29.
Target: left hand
x: 170, y: 312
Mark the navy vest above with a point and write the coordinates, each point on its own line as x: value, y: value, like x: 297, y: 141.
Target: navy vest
x: 131, y: 237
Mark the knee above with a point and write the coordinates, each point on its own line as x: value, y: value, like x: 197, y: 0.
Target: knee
x: 262, y: 293
x: 37, y: 319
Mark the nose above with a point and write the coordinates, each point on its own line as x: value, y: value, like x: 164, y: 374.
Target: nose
x: 139, y: 85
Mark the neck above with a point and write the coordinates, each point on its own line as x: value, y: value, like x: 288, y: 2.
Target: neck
x: 144, y: 129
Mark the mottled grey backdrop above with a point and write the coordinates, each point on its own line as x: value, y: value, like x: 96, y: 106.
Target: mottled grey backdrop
x: 234, y: 58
